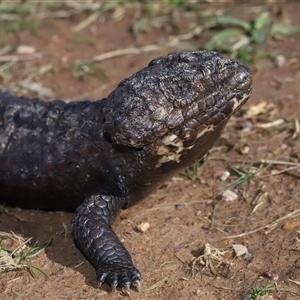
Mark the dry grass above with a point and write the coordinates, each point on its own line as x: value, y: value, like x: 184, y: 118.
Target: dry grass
x: 15, y: 253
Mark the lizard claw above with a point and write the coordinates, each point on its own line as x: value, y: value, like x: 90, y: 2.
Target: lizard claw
x: 119, y: 277
x: 137, y: 285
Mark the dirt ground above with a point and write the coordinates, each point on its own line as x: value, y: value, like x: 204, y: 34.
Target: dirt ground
x: 184, y: 215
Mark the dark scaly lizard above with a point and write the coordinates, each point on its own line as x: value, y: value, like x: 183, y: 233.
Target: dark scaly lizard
x: 99, y: 157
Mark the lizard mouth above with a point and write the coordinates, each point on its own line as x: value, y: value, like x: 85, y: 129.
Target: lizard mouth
x: 205, y: 119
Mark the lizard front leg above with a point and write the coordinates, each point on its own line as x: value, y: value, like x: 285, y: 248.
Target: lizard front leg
x: 95, y: 238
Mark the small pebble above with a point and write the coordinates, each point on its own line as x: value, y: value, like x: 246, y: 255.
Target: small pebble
x: 143, y: 226
x: 289, y: 225
x: 179, y: 206
x: 240, y: 250
x: 280, y: 60
x: 25, y: 49
x: 247, y: 124
x: 271, y: 274
x: 229, y: 196
x: 245, y: 149
x: 222, y: 175
x: 248, y: 257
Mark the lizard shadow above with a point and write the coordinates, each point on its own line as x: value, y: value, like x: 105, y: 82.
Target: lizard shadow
x: 42, y: 226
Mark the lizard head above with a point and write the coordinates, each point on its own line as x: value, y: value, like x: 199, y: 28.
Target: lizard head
x: 179, y: 101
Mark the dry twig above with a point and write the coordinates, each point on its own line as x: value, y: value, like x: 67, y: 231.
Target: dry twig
x: 15, y: 58
x: 270, y: 226
x: 173, y: 41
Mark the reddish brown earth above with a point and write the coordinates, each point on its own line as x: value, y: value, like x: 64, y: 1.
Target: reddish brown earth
x: 184, y: 215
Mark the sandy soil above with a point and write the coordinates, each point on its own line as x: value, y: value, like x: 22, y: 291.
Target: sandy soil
x: 184, y: 215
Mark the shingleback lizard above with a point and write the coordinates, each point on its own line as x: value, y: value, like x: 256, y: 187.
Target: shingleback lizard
x: 100, y: 157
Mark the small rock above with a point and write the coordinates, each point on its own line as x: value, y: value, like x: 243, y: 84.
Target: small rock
x: 179, y: 206
x: 289, y: 225
x: 247, y: 124
x: 280, y: 60
x: 229, y: 196
x: 143, y: 226
x: 240, y: 250
x: 38, y: 88
x: 222, y: 175
x: 25, y: 49
x: 248, y: 257
x: 271, y: 274
x: 245, y: 149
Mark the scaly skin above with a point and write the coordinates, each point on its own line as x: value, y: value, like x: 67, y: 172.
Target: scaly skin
x: 99, y: 157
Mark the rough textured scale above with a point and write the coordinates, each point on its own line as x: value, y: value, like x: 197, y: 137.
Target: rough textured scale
x: 99, y: 157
